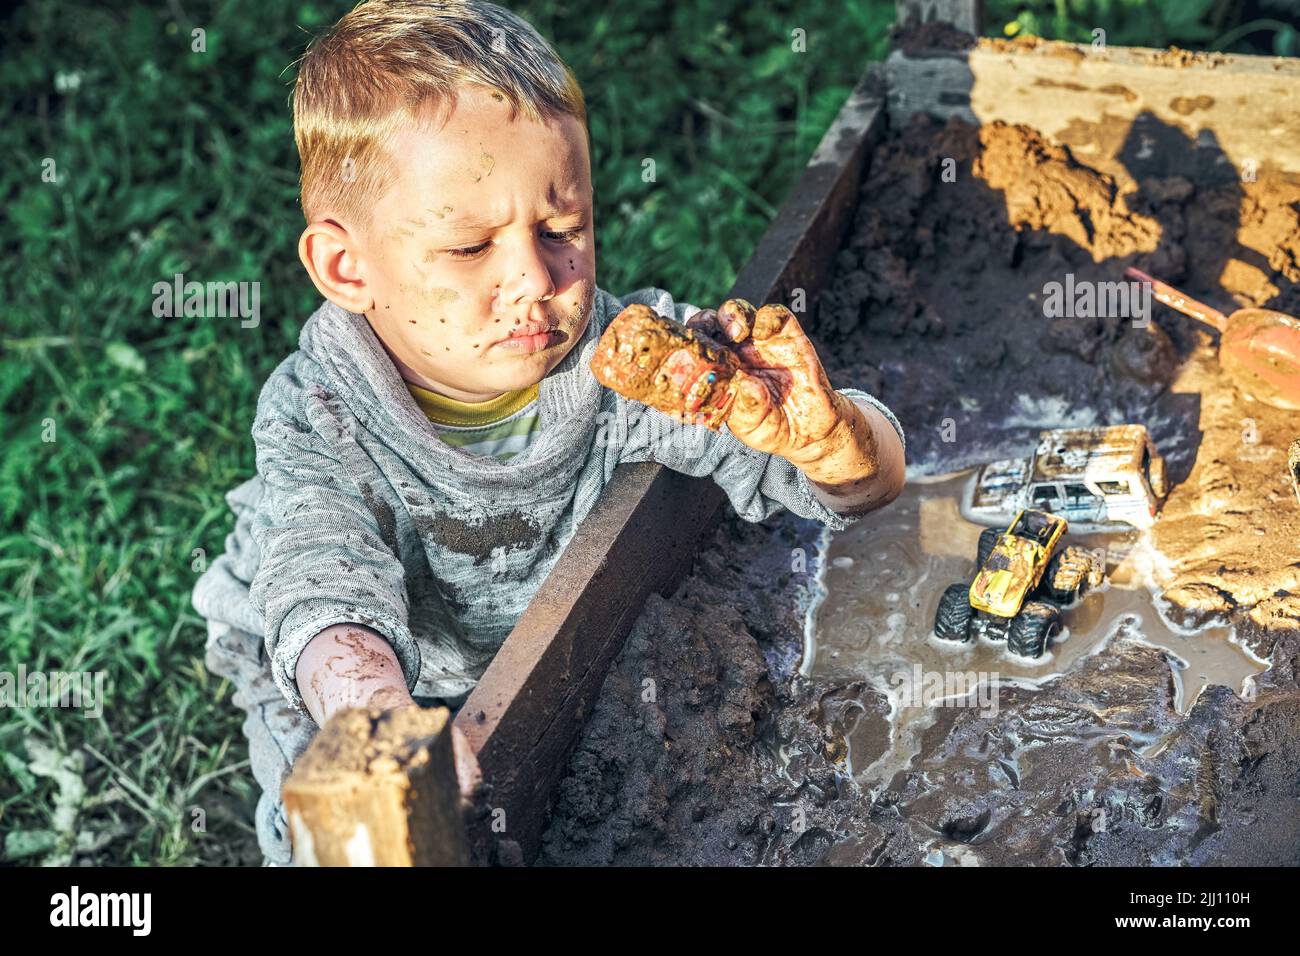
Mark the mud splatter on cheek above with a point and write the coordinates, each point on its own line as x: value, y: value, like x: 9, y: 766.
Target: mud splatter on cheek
x: 440, y: 295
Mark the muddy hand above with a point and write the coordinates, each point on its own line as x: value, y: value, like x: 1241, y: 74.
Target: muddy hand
x: 784, y: 403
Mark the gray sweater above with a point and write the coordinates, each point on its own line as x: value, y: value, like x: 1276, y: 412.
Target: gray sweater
x: 360, y: 514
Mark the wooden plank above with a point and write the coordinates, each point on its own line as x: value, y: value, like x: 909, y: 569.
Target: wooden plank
x: 524, y: 715
x: 377, y: 788
x: 1243, y: 108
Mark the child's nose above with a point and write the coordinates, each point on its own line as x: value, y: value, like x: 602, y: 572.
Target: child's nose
x: 530, y: 276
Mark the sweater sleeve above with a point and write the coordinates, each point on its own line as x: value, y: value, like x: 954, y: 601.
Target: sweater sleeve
x: 756, y: 483
x: 325, y: 559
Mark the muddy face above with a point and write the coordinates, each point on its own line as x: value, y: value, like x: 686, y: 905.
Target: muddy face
x: 482, y: 254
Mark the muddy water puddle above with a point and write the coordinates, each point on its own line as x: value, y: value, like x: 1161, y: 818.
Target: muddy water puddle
x: 880, y: 583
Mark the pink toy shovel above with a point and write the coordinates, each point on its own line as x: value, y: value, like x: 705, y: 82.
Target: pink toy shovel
x: 1259, y: 349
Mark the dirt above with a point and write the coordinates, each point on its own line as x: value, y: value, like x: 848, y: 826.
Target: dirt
x: 371, y: 743
x: 937, y: 307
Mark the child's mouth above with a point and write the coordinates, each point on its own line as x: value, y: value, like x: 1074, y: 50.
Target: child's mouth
x: 527, y: 344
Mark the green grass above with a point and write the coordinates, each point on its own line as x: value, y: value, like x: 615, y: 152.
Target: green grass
x: 172, y: 161
x: 1260, y: 27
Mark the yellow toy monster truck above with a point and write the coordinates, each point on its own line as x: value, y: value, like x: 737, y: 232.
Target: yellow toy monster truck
x: 1021, y: 585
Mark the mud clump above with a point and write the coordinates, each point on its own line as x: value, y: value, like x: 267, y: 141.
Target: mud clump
x: 924, y: 280
x: 937, y: 306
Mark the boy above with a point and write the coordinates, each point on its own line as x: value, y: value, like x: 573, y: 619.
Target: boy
x: 428, y: 451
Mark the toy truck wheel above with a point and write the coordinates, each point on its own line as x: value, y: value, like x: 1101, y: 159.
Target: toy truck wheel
x: 1033, y: 628
x: 1072, y: 573
x: 988, y: 541
x: 952, y: 619
x: 990, y: 627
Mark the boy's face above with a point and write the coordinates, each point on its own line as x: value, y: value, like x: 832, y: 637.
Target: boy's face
x: 481, y: 257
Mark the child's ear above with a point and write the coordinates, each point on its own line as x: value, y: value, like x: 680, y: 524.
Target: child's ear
x: 329, y: 254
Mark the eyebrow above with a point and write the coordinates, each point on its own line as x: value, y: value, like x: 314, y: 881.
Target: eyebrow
x: 469, y: 223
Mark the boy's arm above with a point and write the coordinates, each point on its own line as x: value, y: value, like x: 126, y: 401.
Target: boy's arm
x: 349, y: 665
x: 865, y: 475
x: 330, y: 589
x: 323, y: 559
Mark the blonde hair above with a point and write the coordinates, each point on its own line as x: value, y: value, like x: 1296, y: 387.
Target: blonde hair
x: 387, y: 61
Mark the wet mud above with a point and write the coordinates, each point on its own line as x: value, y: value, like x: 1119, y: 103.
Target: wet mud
x: 1164, y: 728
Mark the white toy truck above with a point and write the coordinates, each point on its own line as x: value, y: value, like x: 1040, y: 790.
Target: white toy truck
x: 1099, y: 477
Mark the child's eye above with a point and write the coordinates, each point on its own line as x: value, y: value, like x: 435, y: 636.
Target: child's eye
x: 567, y: 235
x: 469, y: 252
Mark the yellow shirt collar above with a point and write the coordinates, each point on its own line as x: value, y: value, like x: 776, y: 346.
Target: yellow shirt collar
x: 442, y: 410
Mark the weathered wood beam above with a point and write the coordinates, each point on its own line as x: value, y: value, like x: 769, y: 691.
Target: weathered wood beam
x: 1087, y: 97
x: 377, y: 789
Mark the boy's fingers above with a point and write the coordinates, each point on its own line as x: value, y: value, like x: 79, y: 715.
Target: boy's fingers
x: 770, y: 320
x: 779, y: 341
x: 705, y: 320
x: 737, y: 321
x: 736, y: 317
x: 705, y: 323
x: 775, y: 336
x: 752, y: 402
